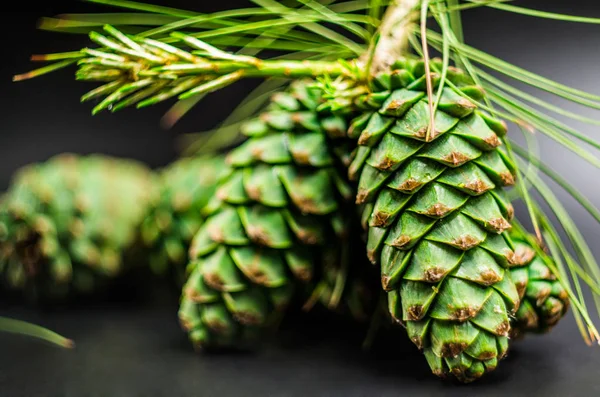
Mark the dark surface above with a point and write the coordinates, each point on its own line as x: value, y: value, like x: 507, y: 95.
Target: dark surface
x: 132, y: 345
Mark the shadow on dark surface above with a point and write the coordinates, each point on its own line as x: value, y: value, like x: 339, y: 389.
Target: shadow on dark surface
x: 131, y: 345
x: 129, y: 290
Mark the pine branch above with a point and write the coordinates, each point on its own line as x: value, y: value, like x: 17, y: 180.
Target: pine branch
x: 392, y: 41
x: 130, y: 64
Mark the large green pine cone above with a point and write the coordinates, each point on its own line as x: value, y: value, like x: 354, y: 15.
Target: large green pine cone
x: 70, y: 224
x: 186, y: 186
x: 274, y: 222
x: 435, y: 212
x: 544, y: 301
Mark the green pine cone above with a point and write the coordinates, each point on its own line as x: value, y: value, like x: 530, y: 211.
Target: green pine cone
x: 186, y: 186
x: 274, y: 222
x: 544, y: 301
x: 70, y: 224
x: 435, y: 211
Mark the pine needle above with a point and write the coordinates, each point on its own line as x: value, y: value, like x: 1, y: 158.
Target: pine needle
x: 424, y: 13
x: 540, y: 14
x: 44, y: 70
x: 444, y: 24
x: 25, y: 328
x: 313, y: 27
x: 134, y: 5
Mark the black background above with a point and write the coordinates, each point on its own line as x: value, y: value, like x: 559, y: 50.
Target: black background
x: 131, y: 345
